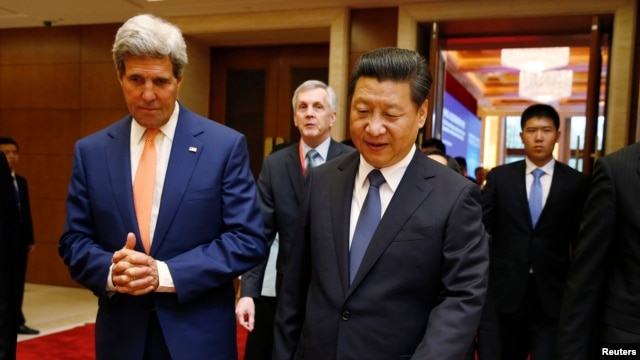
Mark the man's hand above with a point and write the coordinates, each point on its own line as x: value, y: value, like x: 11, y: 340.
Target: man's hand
x: 246, y: 312
x: 133, y: 272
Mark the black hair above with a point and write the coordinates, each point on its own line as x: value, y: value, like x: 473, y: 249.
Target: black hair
x: 398, y: 65
x: 8, y: 140
x: 540, y: 111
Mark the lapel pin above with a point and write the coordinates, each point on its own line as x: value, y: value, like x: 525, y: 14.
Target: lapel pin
x: 193, y: 149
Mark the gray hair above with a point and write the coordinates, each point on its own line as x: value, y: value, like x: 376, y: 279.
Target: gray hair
x: 315, y: 84
x: 150, y: 36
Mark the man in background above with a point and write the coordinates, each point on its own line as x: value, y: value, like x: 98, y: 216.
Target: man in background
x: 26, y: 243
x: 162, y: 212
x: 602, y: 289
x: 280, y: 186
x: 532, y: 210
x: 390, y: 258
x: 433, y: 144
x: 9, y: 235
x: 462, y: 163
x: 481, y: 175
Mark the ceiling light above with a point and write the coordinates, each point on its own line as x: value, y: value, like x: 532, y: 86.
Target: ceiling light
x: 535, y: 59
x: 546, y: 86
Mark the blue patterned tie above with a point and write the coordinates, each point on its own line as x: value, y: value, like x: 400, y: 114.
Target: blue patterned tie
x: 535, y: 196
x: 313, y: 158
x: 367, y: 223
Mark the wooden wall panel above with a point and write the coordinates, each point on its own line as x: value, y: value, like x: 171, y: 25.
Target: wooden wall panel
x: 41, y: 132
x: 49, y: 177
x: 100, y: 88
x: 56, y: 85
x: 41, y: 86
x: 371, y: 29
x: 93, y: 120
x: 46, y: 267
x: 51, y: 45
x: 96, y: 42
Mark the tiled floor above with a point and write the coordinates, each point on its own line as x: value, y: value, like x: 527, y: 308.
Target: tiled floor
x: 54, y: 308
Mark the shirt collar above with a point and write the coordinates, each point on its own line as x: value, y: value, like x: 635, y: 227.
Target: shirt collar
x: 322, y: 149
x: 168, y: 129
x: 547, y: 168
x: 392, y: 174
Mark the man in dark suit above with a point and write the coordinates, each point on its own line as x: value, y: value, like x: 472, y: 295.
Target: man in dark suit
x: 280, y: 187
x: 26, y: 243
x: 9, y: 235
x: 602, y: 289
x: 162, y: 263
x: 530, y: 257
x: 415, y: 287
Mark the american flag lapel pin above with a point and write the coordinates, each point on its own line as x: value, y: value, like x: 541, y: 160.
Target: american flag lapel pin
x: 193, y: 149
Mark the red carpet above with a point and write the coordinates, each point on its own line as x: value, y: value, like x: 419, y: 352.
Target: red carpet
x: 72, y: 344
x: 78, y: 344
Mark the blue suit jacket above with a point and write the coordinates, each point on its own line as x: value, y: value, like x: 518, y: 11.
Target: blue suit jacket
x: 209, y: 230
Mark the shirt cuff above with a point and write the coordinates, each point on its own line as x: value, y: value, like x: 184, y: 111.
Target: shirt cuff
x: 110, y: 286
x: 165, y: 281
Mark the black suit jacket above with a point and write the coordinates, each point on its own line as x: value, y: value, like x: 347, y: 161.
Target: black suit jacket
x: 26, y: 224
x: 604, y: 281
x: 517, y: 246
x: 421, y: 284
x: 9, y: 233
x: 280, y: 188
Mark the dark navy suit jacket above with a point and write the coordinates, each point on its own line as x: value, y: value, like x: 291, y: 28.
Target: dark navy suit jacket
x: 603, y: 283
x: 420, y: 288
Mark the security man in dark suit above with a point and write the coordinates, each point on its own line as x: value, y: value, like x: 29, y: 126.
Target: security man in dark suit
x: 26, y: 244
x: 9, y: 233
x: 532, y: 210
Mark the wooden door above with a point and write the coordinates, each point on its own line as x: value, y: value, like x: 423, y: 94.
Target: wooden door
x: 252, y: 90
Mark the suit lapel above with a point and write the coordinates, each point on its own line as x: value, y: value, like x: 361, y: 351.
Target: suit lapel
x: 341, y: 194
x: 294, y: 171
x: 413, y: 190
x: 520, y: 190
x: 557, y: 186
x: 182, y: 162
x: 118, y: 159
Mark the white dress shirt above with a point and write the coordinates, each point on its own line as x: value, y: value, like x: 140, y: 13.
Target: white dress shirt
x: 545, y: 179
x: 392, y: 176
x: 163, y: 142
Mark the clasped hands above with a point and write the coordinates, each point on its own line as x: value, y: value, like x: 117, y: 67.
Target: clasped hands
x: 133, y: 272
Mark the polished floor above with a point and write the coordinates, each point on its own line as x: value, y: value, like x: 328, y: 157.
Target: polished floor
x: 55, y: 308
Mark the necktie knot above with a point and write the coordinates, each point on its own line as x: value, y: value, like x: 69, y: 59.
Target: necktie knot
x: 375, y: 178
x: 313, y: 158
x: 151, y: 135
x: 537, y: 173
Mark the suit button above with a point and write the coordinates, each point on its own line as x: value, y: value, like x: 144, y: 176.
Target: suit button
x: 346, y: 315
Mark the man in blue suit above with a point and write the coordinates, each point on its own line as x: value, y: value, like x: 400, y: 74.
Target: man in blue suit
x: 164, y: 280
